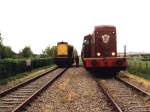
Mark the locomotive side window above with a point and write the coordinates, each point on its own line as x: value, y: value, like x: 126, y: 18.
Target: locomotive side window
x: 86, y: 47
x: 86, y: 42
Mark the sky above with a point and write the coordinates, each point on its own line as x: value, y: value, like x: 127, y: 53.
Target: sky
x: 40, y: 23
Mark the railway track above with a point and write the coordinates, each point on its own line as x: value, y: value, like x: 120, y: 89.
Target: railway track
x: 113, y: 106
x: 16, y: 98
x: 124, y: 96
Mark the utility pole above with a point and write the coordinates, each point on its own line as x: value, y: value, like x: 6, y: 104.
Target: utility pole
x: 125, y: 51
x: 0, y: 46
x: 0, y: 38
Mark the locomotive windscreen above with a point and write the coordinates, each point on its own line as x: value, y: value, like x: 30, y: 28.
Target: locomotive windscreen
x: 62, y: 49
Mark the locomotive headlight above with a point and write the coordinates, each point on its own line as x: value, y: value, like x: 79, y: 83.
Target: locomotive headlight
x: 98, y: 54
x: 113, y: 53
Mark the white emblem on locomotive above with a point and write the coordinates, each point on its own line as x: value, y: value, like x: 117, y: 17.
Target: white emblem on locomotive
x: 105, y: 38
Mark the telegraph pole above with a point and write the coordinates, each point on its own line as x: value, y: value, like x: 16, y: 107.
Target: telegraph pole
x: 0, y: 38
x: 125, y: 51
x: 0, y: 46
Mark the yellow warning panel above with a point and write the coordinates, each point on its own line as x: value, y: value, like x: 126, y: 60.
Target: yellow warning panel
x: 62, y: 49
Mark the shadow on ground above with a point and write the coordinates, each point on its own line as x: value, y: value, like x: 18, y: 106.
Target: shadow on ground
x: 102, y: 74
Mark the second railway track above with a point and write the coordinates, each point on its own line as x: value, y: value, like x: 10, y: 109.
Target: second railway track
x: 124, y: 96
x: 14, y: 99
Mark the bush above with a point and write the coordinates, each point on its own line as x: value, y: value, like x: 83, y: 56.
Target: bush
x: 10, y: 67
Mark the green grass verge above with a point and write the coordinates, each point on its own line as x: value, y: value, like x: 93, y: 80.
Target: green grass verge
x: 139, y: 63
x: 141, y: 73
x: 139, y: 68
x: 21, y: 75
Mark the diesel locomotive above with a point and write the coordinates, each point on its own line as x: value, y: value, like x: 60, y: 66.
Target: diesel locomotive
x: 99, y: 51
x: 64, y: 54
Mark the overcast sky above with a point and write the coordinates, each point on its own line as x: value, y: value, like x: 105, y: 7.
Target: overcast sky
x: 39, y: 23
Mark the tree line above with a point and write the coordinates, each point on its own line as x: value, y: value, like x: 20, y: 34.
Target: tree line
x: 26, y: 52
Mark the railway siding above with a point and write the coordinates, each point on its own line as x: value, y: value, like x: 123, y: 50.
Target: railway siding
x: 25, y: 78
x: 74, y: 91
x: 140, y: 82
x: 14, y: 99
x: 127, y: 98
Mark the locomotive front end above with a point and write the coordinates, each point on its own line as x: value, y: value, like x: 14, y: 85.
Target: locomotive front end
x: 62, y: 49
x: 100, y: 51
x: 64, y: 55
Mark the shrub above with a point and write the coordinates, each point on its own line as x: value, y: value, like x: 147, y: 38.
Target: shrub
x: 9, y: 67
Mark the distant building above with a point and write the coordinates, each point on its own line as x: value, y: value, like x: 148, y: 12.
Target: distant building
x: 138, y: 55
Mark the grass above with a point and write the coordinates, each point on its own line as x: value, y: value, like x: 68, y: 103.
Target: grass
x: 145, y: 65
x: 139, y: 68
x: 140, y: 73
x: 22, y: 75
x: 140, y: 80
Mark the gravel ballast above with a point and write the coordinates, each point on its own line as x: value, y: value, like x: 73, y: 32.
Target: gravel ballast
x: 140, y: 82
x: 74, y: 91
x: 29, y: 76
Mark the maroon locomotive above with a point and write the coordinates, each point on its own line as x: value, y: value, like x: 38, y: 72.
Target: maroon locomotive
x: 99, y: 51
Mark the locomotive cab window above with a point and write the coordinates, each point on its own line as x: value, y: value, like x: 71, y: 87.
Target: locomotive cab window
x: 86, y: 42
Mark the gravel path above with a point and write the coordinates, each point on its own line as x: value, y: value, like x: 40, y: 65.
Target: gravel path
x: 74, y: 91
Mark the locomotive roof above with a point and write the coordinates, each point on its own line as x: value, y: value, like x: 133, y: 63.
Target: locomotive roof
x: 62, y: 42
x: 87, y: 36
x: 105, y: 26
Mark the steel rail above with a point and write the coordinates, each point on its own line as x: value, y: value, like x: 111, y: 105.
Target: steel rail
x: 115, y: 105
x: 133, y: 86
x: 24, y: 83
x: 33, y: 94
x: 21, y: 106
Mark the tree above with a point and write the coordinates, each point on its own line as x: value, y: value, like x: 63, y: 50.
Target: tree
x: 1, y: 47
x: 26, y: 52
x: 6, y: 52
x: 1, y: 40
x: 1, y: 50
x: 49, y: 51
